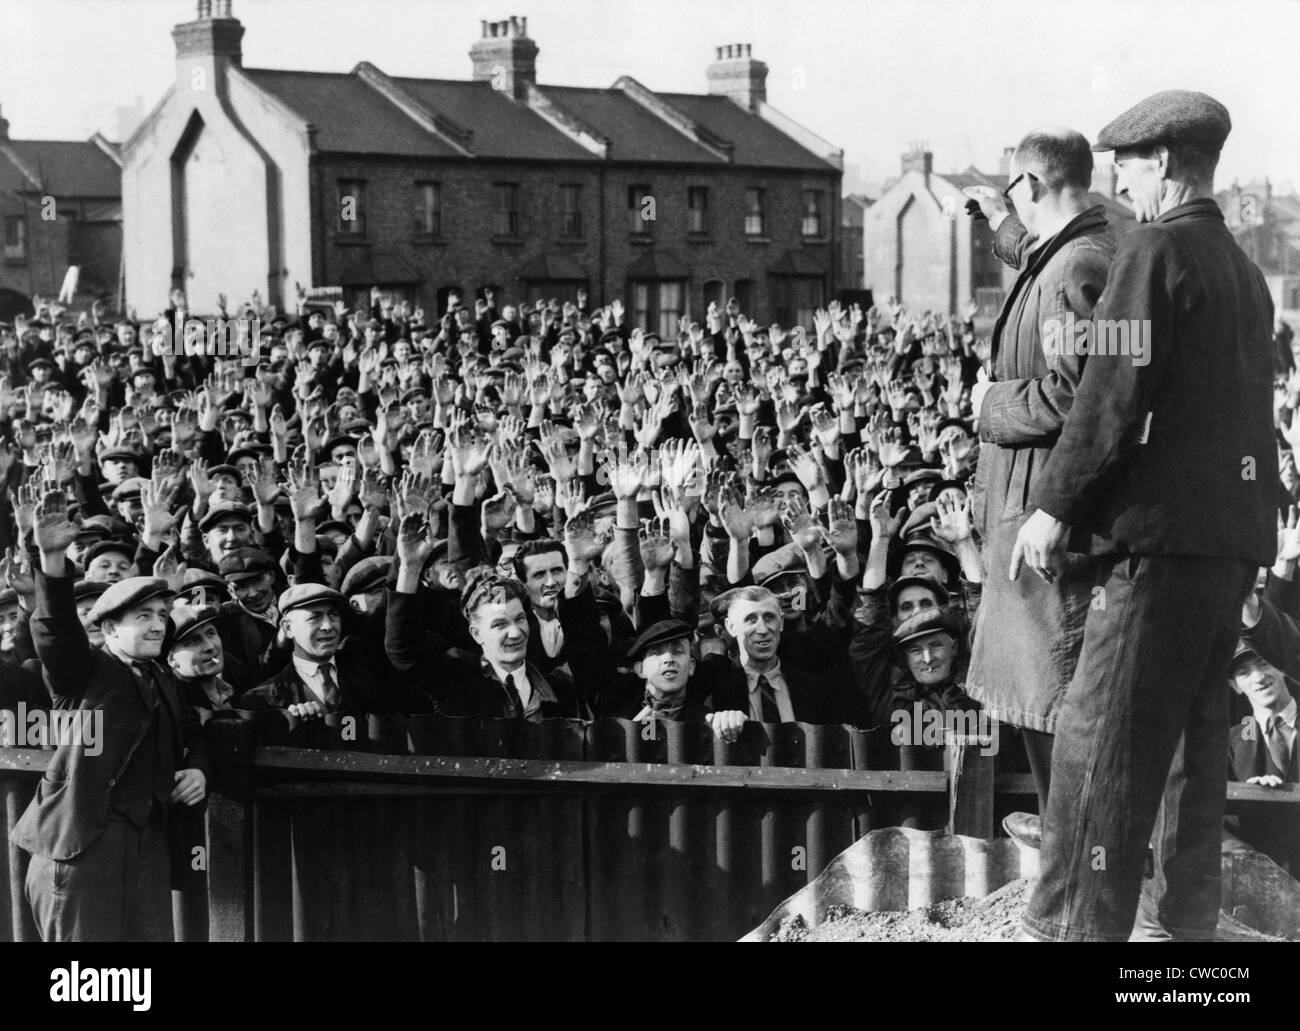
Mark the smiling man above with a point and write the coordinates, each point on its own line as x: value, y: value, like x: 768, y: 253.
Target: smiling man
x: 328, y: 671
x: 97, y: 828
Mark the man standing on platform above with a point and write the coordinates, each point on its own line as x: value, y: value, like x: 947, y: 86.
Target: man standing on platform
x: 1166, y: 465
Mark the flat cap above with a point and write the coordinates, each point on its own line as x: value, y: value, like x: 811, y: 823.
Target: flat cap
x: 188, y: 618
x: 342, y: 440
x: 367, y: 575
x: 300, y: 596
x: 659, y: 633
x: 125, y: 594
x: 227, y: 470
x: 129, y: 488
x: 220, y: 511
x: 786, y: 559
x: 930, y: 621
x: 84, y: 589
x: 111, y: 545
x: 1172, y: 116
x: 244, y: 563
x: 120, y: 454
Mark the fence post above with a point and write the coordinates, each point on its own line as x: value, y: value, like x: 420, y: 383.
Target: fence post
x: 230, y: 831
x: 970, y: 785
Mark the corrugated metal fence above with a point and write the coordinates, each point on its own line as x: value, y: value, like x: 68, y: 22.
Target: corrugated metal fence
x: 433, y: 828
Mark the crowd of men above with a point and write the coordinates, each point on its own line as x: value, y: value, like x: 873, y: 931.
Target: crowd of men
x: 525, y: 512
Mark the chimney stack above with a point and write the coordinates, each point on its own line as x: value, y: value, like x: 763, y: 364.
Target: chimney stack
x: 211, y: 41
x: 737, y: 75
x: 505, y: 56
x: 918, y: 159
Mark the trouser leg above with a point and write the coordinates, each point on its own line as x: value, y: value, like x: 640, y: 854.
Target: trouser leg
x: 1147, y: 657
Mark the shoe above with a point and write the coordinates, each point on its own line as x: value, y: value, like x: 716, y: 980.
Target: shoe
x: 1026, y: 828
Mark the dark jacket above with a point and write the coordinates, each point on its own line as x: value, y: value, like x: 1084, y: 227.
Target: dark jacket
x: 1202, y: 482
x: 723, y: 686
x: 74, y: 797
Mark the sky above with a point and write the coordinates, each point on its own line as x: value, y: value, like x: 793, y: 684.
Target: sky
x: 967, y: 77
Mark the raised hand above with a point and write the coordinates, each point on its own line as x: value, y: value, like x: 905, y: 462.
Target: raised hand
x: 303, y: 487
x: 801, y: 525
x: 842, y: 528
x: 469, y: 449
x: 735, y: 516
x: 656, y: 544
x: 413, y: 542
x: 953, y: 521
x: 580, y: 541
x: 628, y: 474
x: 263, y: 481
x: 882, y: 523
x: 805, y: 466
x: 52, y: 529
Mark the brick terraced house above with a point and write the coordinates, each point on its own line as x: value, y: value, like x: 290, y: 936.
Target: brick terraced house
x: 246, y: 178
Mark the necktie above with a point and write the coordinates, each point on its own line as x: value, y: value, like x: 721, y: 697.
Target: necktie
x: 516, y: 696
x: 767, y: 694
x: 330, y: 686
x: 1276, y: 744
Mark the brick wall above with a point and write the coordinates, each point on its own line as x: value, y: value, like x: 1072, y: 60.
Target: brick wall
x: 468, y: 255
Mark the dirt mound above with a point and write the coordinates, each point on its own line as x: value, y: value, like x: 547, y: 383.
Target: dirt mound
x: 995, y: 917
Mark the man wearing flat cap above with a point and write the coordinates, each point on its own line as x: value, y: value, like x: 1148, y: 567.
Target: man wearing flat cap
x: 328, y: 671
x: 1166, y: 468
x: 98, y: 826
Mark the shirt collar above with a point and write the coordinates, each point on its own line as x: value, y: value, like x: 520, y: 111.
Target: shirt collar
x: 1288, y: 715
x: 311, y: 667
x: 773, y: 675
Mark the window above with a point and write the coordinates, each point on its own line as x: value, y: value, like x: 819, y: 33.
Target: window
x: 812, y: 212
x: 753, y: 212
x: 16, y: 238
x: 352, y: 207
x: 658, y: 306
x: 570, y: 209
x: 507, y: 209
x: 640, y: 210
x: 697, y: 208
x: 428, y: 209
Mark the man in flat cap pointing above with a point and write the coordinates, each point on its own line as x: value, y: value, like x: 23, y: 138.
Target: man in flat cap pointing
x: 1166, y: 466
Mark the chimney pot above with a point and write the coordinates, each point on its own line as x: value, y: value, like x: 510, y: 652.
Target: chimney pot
x: 205, y: 9
x: 523, y: 26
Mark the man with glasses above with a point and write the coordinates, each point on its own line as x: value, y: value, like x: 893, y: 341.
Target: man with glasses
x: 1028, y: 631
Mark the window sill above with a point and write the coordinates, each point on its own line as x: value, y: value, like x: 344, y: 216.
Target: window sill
x: 423, y: 239
x: 814, y: 240
x: 571, y: 241
x: 508, y: 241
x: 15, y: 261
x: 640, y: 239
x: 699, y: 237
x: 351, y: 241
x: 758, y: 239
